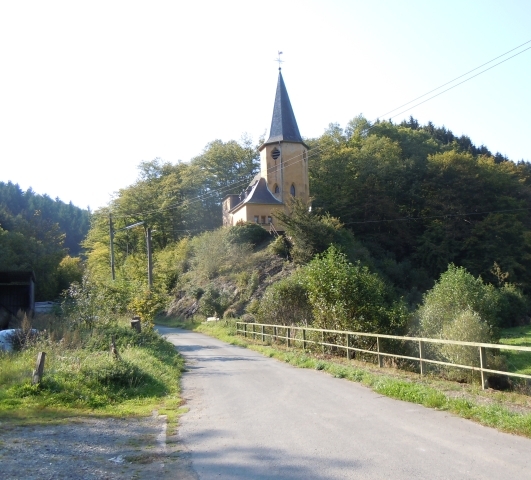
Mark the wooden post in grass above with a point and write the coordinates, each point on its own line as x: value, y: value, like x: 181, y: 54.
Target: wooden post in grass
x: 304, y: 339
x: 39, y: 369
x: 135, y: 324
x: 288, y: 335
x: 380, y: 357
x: 263, y: 335
x: 348, y: 346
x: 421, y: 356
x: 114, y: 350
x: 483, y: 364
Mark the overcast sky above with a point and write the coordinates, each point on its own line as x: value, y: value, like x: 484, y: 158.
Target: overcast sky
x: 90, y: 89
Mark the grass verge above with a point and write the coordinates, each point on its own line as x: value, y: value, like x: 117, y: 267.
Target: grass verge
x: 507, y: 411
x: 82, y: 377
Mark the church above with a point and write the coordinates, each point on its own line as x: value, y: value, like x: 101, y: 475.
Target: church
x: 283, y: 171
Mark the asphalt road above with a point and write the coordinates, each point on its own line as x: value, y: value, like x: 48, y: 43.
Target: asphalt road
x: 252, y: 417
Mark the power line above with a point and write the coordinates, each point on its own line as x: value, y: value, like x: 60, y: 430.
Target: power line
x: 319, y: 149
x: 429, y: 217
x: 457, y: 78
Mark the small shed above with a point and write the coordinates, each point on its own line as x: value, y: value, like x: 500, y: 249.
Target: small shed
x: 17, y: 292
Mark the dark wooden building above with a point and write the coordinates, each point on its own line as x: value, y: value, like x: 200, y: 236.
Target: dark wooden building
x: 17, y: 292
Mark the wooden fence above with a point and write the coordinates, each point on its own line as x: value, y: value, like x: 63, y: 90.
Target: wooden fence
x: 374, y: 345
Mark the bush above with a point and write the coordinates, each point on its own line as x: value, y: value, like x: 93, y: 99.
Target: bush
x: 285, y: 302
x: 456, y: 293
x: 214, y: 302
x: 346, y: 296
x: 466, y: 327
x: 247, y: 233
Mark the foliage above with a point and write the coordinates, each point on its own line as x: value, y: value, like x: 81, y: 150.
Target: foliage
x: 466, y: 327
x: 85, y: 376
x: 346, y: 296
x: 247, y: 233
x: 36, y: 233
x: 214, y: 302
x: 146, y: 304
x: 285, y: 303
x: 70, y: 270
x: 455, y: 294
x: 309, y: 233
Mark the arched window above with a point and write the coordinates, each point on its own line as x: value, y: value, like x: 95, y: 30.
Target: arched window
x: 276, y: 189
x: 292, y: 190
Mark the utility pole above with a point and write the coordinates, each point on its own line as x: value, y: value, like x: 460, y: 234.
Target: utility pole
x: 111, y: 233
x: 150, y: 259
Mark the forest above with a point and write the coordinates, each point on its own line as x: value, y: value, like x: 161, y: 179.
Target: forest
x: 43, y: 235
x: 408, y: 203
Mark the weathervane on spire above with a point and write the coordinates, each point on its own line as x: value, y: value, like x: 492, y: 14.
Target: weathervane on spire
x: 279, y: 60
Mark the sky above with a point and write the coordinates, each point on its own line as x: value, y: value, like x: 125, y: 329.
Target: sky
x: 88, y: 90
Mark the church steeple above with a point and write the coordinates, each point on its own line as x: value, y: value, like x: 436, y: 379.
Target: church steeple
x: 283, y: 125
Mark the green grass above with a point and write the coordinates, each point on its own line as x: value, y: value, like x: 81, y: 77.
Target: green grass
x: 82, y: 377
x: 468, y: 401
x: 518, y: 362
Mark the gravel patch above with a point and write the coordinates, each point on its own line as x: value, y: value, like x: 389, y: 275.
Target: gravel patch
x: 93, y: 448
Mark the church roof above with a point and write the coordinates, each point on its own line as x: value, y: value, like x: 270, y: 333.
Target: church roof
x: 283, y: 126
x: 258, y: 193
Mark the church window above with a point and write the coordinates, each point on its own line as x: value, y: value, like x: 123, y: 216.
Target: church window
x: 276, y: 189
x: 292, y: 190
x: 263, y: 219
x: 256, y: 219
x: 275, y: 153
x: 269, y: 220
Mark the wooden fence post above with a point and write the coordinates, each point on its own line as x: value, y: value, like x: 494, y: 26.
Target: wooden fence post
x: 421, y: 356
x: 263, y: 336
x: 348, y: 346
x: 254, y: 334
x: 245, y: 330
x: 39, y: 369
x: 322, y: 342
x: 482, y: 365
x: 275, y: 333
x: 288, y: 335
x: 380, y: 357
x: 136, y: 325
x: 114, y: 350
x: 304, y: 339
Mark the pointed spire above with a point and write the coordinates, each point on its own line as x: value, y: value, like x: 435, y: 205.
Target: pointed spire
x: 283, y: 126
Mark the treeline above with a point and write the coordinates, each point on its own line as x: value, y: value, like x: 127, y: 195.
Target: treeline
x: 406, y: 200
x: 419, y: 198
x: 43, y: 235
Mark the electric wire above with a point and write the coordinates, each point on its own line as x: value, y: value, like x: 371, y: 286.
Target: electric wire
x: 456, y: 78
x: 318, y: 149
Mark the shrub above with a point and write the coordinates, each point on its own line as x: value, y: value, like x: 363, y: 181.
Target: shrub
x: 247, y: 233
x: 457, y: 292
x: 466, y: 327
x: 346, y: 296
x: 285, y: 302
x: 214, y: 302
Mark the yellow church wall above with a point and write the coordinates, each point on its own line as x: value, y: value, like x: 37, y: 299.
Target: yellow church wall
x: 291, y: 168
x: 249, y: 212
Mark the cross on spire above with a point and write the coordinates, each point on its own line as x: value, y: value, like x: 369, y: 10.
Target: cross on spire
x: 279, y: 60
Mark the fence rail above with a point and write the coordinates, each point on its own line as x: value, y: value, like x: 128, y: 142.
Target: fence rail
x: 305, y: 336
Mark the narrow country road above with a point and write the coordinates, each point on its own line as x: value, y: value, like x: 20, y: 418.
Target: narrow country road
x: 252, y: 417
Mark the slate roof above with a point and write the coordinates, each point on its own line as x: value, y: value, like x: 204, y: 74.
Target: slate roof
x: 283, y: 126
x: 258, y: 193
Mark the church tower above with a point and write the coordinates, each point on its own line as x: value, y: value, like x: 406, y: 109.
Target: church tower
x: 284, y: 156
x: 283, y: 171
